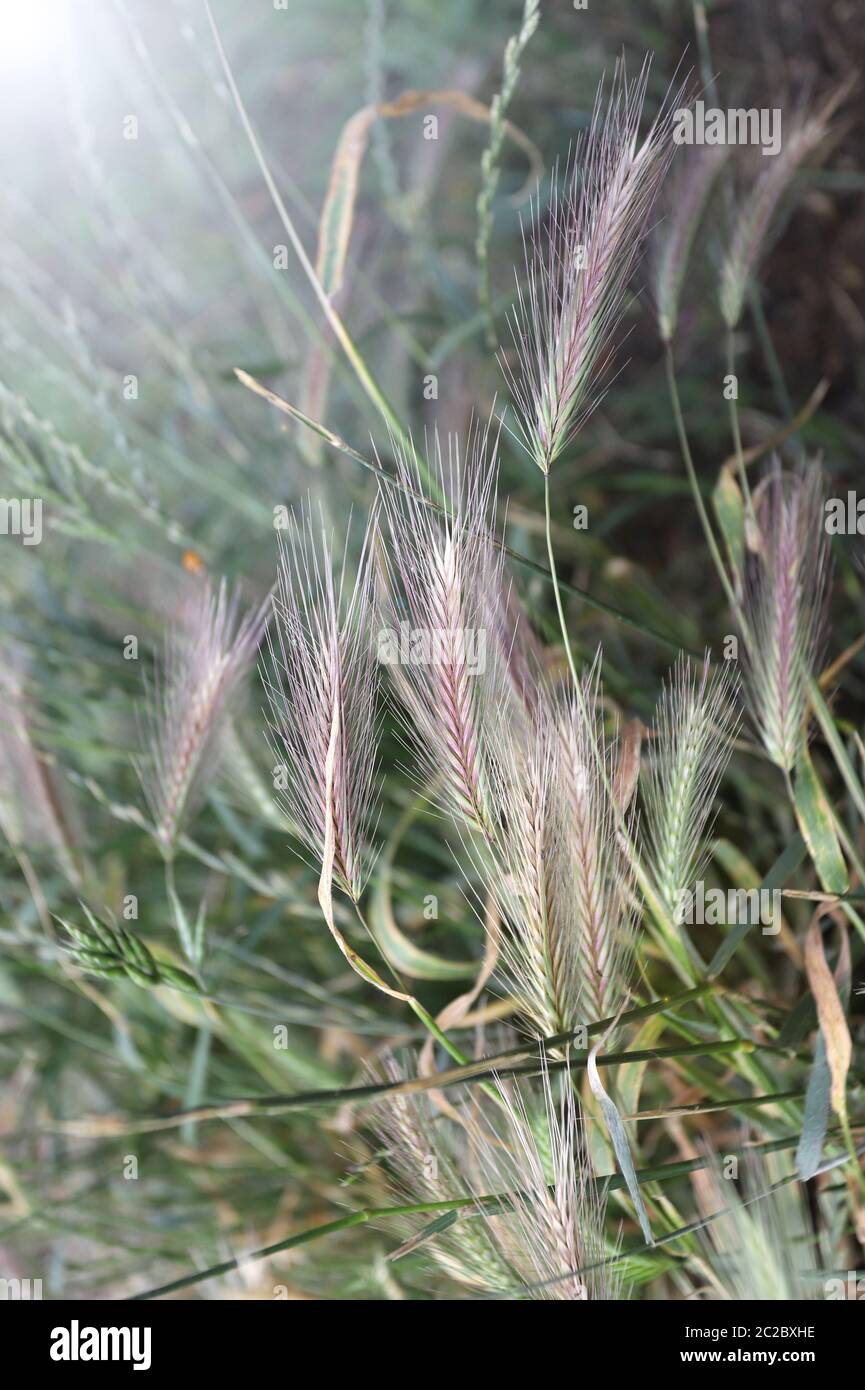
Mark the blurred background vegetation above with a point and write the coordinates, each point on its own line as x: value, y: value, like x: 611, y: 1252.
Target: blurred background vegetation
x: 137, y: 273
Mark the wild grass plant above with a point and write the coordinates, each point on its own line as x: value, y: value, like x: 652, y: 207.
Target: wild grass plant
x: 351, y: 791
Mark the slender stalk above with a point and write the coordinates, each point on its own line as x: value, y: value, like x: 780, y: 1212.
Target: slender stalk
x: 687, y: 456
x: 103, y: 1126
x: 733, y: 404
x: 684, y: 965
x: 430, y: 1024
x: 342, y: 1223
x: 779, y: 385
x: 334, y: 320
x: 839, y: 752
x: 555, y: 581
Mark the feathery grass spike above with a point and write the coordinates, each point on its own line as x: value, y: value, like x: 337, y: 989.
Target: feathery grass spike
x: 695, y: 723
x: 578, y: 266
x: 787, y: 584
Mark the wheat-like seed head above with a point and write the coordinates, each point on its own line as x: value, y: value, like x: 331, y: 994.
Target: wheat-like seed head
x: 531, y: 1152
x: 597, y: 879
x: 323, y: 675
x: 786, y: 591
x: 525, y: 1149
x: 207, y: 655
x: 421, y: 1166
x: 516, y: 763
x: 695, y: 722
x: 803, y: 136
x: 109, y: 951
x: 689, y: 192
x: 444, y: 579
x: 579, y: 265
x: 555, y: 863
x: 761, y: 1248
x: 524, y: 866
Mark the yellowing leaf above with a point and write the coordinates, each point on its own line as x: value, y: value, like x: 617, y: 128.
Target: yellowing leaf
x: 730, y: 512
x: 830, y: 1013
x: 818, y: 1095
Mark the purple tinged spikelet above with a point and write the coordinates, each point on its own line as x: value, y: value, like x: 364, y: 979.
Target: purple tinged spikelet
x: 511, y: 759
x: 597, y: 878
x: 786, y: 591
x: 539, y: 949
x: 208, y: 654
x: 696, y: 720
x: 422, y: 1166
x: 803, y: 136
x: 535, y: 1156
x: 689, y: 192
x: 323, y: 674
x: 578, y: 266
x: 526, y: 1150
x: 557, y: 868
x: 444, y: 580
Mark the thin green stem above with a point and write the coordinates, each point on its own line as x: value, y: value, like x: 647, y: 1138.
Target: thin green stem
x: 779, y: 385
x: 851, y: 1150
x: 661, y: 1173
x: 733, y: 402
x: 338, y: 328
x: 340, y: 445
x: 555, y: 581
x: 836, y: 746
x: 269, y: 1107
x: 695, y: 486
x: 342, y: 1223
x: 426, y: 1019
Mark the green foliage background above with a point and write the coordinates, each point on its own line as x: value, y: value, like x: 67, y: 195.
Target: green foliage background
x: 154, y: 257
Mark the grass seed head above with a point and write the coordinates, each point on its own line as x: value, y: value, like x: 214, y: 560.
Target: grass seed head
x: 578, y: 265
x: 208, y: 654
x: 756, y: 212
x: 696, y: 720
x: 786, y: 591
x: 322, y: 665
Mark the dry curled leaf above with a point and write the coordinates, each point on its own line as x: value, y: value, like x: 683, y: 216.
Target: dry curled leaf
x: 337, y: 215
x: 627, y: 771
